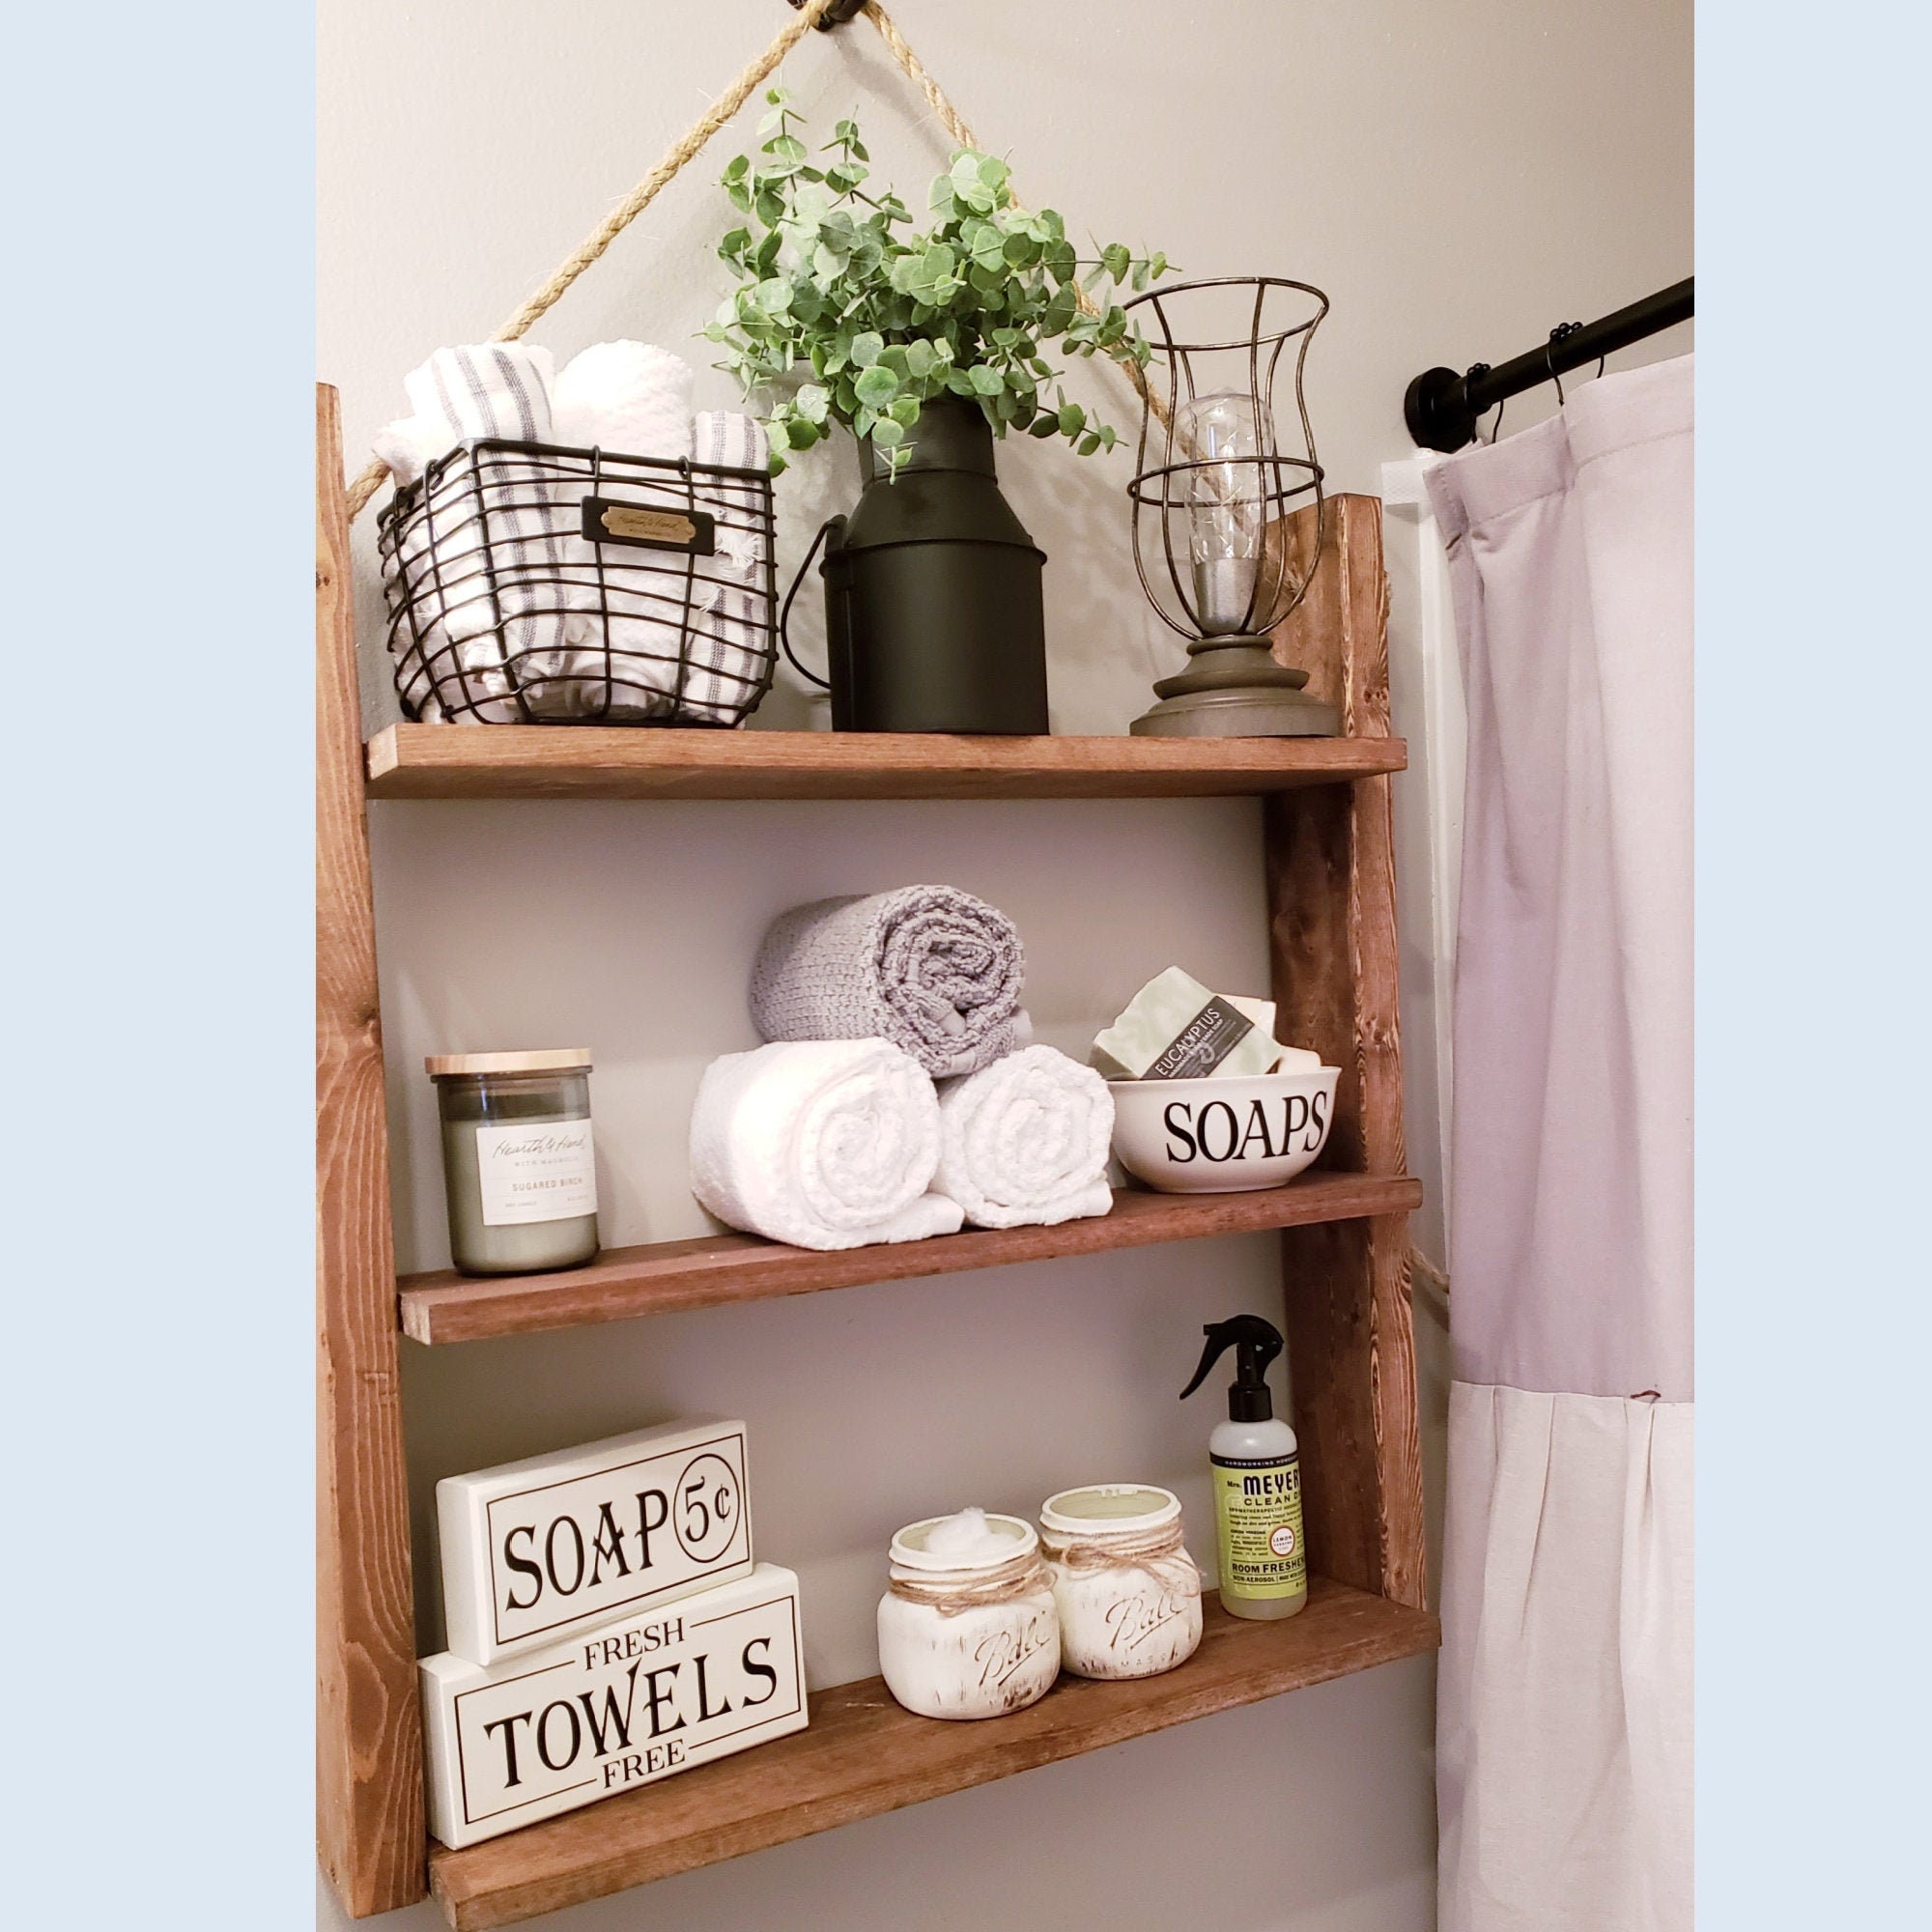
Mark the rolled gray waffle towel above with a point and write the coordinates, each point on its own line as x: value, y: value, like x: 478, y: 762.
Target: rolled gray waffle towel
x: 929, y: 968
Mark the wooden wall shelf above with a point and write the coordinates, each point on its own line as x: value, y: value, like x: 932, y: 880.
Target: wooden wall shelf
x: 612, y: 761
x: 862, y: 1755
x: 669, y: 1277
x: 1326, y: 846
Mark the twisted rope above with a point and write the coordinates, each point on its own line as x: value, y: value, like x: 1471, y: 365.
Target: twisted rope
x: 629, y: 208
x: 713, y: 118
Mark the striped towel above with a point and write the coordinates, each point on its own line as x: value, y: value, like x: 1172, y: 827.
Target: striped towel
x: 502, y: 626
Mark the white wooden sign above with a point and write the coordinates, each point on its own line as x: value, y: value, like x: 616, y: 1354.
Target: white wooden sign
x: 624, y: 1705
x: 536, y: 1550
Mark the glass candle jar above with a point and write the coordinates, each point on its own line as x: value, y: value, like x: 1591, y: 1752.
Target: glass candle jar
x: 968, y: 1630
x: 518, y: 1163
x: 1127, y: 1593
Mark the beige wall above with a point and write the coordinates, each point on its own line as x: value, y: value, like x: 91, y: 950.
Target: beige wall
x: 1457, y: 177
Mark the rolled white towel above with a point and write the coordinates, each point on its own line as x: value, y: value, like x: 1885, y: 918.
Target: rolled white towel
x: 823, y: 1143
x: 631, y: 397
x: 1023, y: 1143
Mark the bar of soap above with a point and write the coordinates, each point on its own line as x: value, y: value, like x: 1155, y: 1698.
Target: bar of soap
x: 1176, y: 1029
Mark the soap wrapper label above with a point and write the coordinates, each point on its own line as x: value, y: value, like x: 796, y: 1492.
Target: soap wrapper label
x: 626, y: 1704
x: 536, y: 1549
x: 1201, y: 1046
x: 1258, y: 1522
x: 536, y: 1171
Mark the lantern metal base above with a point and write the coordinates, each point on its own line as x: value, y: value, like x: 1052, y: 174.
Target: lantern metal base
x: 1235, y: 688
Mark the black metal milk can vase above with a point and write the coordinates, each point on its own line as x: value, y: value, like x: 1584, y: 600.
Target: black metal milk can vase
x: 934, y: 613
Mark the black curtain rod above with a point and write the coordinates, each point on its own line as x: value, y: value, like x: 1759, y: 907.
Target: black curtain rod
x: 1442, y: 408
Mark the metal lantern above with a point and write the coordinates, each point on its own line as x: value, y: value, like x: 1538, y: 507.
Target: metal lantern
x: 1215, y: 476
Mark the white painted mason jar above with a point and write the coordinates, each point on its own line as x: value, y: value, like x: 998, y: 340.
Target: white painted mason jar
x: 1129, y: 1594
x: 968, y: 1635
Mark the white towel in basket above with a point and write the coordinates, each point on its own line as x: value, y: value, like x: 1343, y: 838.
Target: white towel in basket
x: 628, y: 396
x: 462, y: 395
x: 659, y: 666
x: 623, y: 399
x: 734, y: 655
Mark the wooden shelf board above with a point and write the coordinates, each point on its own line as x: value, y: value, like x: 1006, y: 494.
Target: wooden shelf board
x: 667, y: 1277
x: 864, y: 1756
x: 606, y: 762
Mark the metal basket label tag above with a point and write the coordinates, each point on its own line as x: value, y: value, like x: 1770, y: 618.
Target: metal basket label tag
x: 689, y: 531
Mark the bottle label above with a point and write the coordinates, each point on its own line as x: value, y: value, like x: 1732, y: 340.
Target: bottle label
x: 1258, y: 1515
x: 544, y: 1171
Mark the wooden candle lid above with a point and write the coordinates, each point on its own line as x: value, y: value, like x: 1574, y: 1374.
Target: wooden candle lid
x: 552, y: 1060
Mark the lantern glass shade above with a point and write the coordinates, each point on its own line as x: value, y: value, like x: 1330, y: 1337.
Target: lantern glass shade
x: 1224, y: 522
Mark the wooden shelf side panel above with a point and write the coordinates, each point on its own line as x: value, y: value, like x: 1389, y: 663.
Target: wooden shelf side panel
x: 1331, y: 858
x: 862, y: 1755
x: 369, y: 1792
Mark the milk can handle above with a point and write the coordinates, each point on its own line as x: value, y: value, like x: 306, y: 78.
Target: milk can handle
x: 784, y: 615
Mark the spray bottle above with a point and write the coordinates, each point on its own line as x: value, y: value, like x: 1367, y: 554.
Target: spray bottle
x: 1257, y: 1478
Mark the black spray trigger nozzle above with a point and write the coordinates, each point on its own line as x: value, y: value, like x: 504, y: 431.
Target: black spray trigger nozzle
x: 1256, y: 1344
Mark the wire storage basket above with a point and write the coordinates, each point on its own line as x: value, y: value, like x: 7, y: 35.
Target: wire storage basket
x: 529, y: 583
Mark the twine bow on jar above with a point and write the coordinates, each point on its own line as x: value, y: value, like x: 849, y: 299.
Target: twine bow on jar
x: 1018, y: 1577
x: 1158, y: 1551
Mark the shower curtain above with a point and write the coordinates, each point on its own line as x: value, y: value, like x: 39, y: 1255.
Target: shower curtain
x: 1564, y: 1710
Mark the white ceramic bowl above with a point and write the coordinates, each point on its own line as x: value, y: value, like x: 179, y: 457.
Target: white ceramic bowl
x: 1222, y: 1136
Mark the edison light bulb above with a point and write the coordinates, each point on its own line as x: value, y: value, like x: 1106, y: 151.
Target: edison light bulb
x: 1226, y: 523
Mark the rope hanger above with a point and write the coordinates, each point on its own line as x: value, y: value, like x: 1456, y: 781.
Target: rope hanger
x: 810, y: 14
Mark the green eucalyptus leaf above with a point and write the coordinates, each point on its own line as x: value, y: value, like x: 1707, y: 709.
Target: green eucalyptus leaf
x: 813, y: 402
x: 886, y: 432
x: 866, y: 348
x: 876, y: 385
x: 1114, y: 259
x: 1043, y: 425
x: 1072, y: 419
x: 985, y: 382
x: 1087, y: 443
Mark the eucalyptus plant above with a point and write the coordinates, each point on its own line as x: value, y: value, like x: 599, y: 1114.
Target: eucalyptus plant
x: 834, y: 280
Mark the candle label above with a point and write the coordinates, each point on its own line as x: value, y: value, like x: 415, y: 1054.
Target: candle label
x: 541, y: 1171
x: 535, y: 1551
x: 626, y: 1704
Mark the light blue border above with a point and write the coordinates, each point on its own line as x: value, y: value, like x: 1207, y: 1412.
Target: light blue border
x: 157, y: 619
x: 1812, y: 1075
